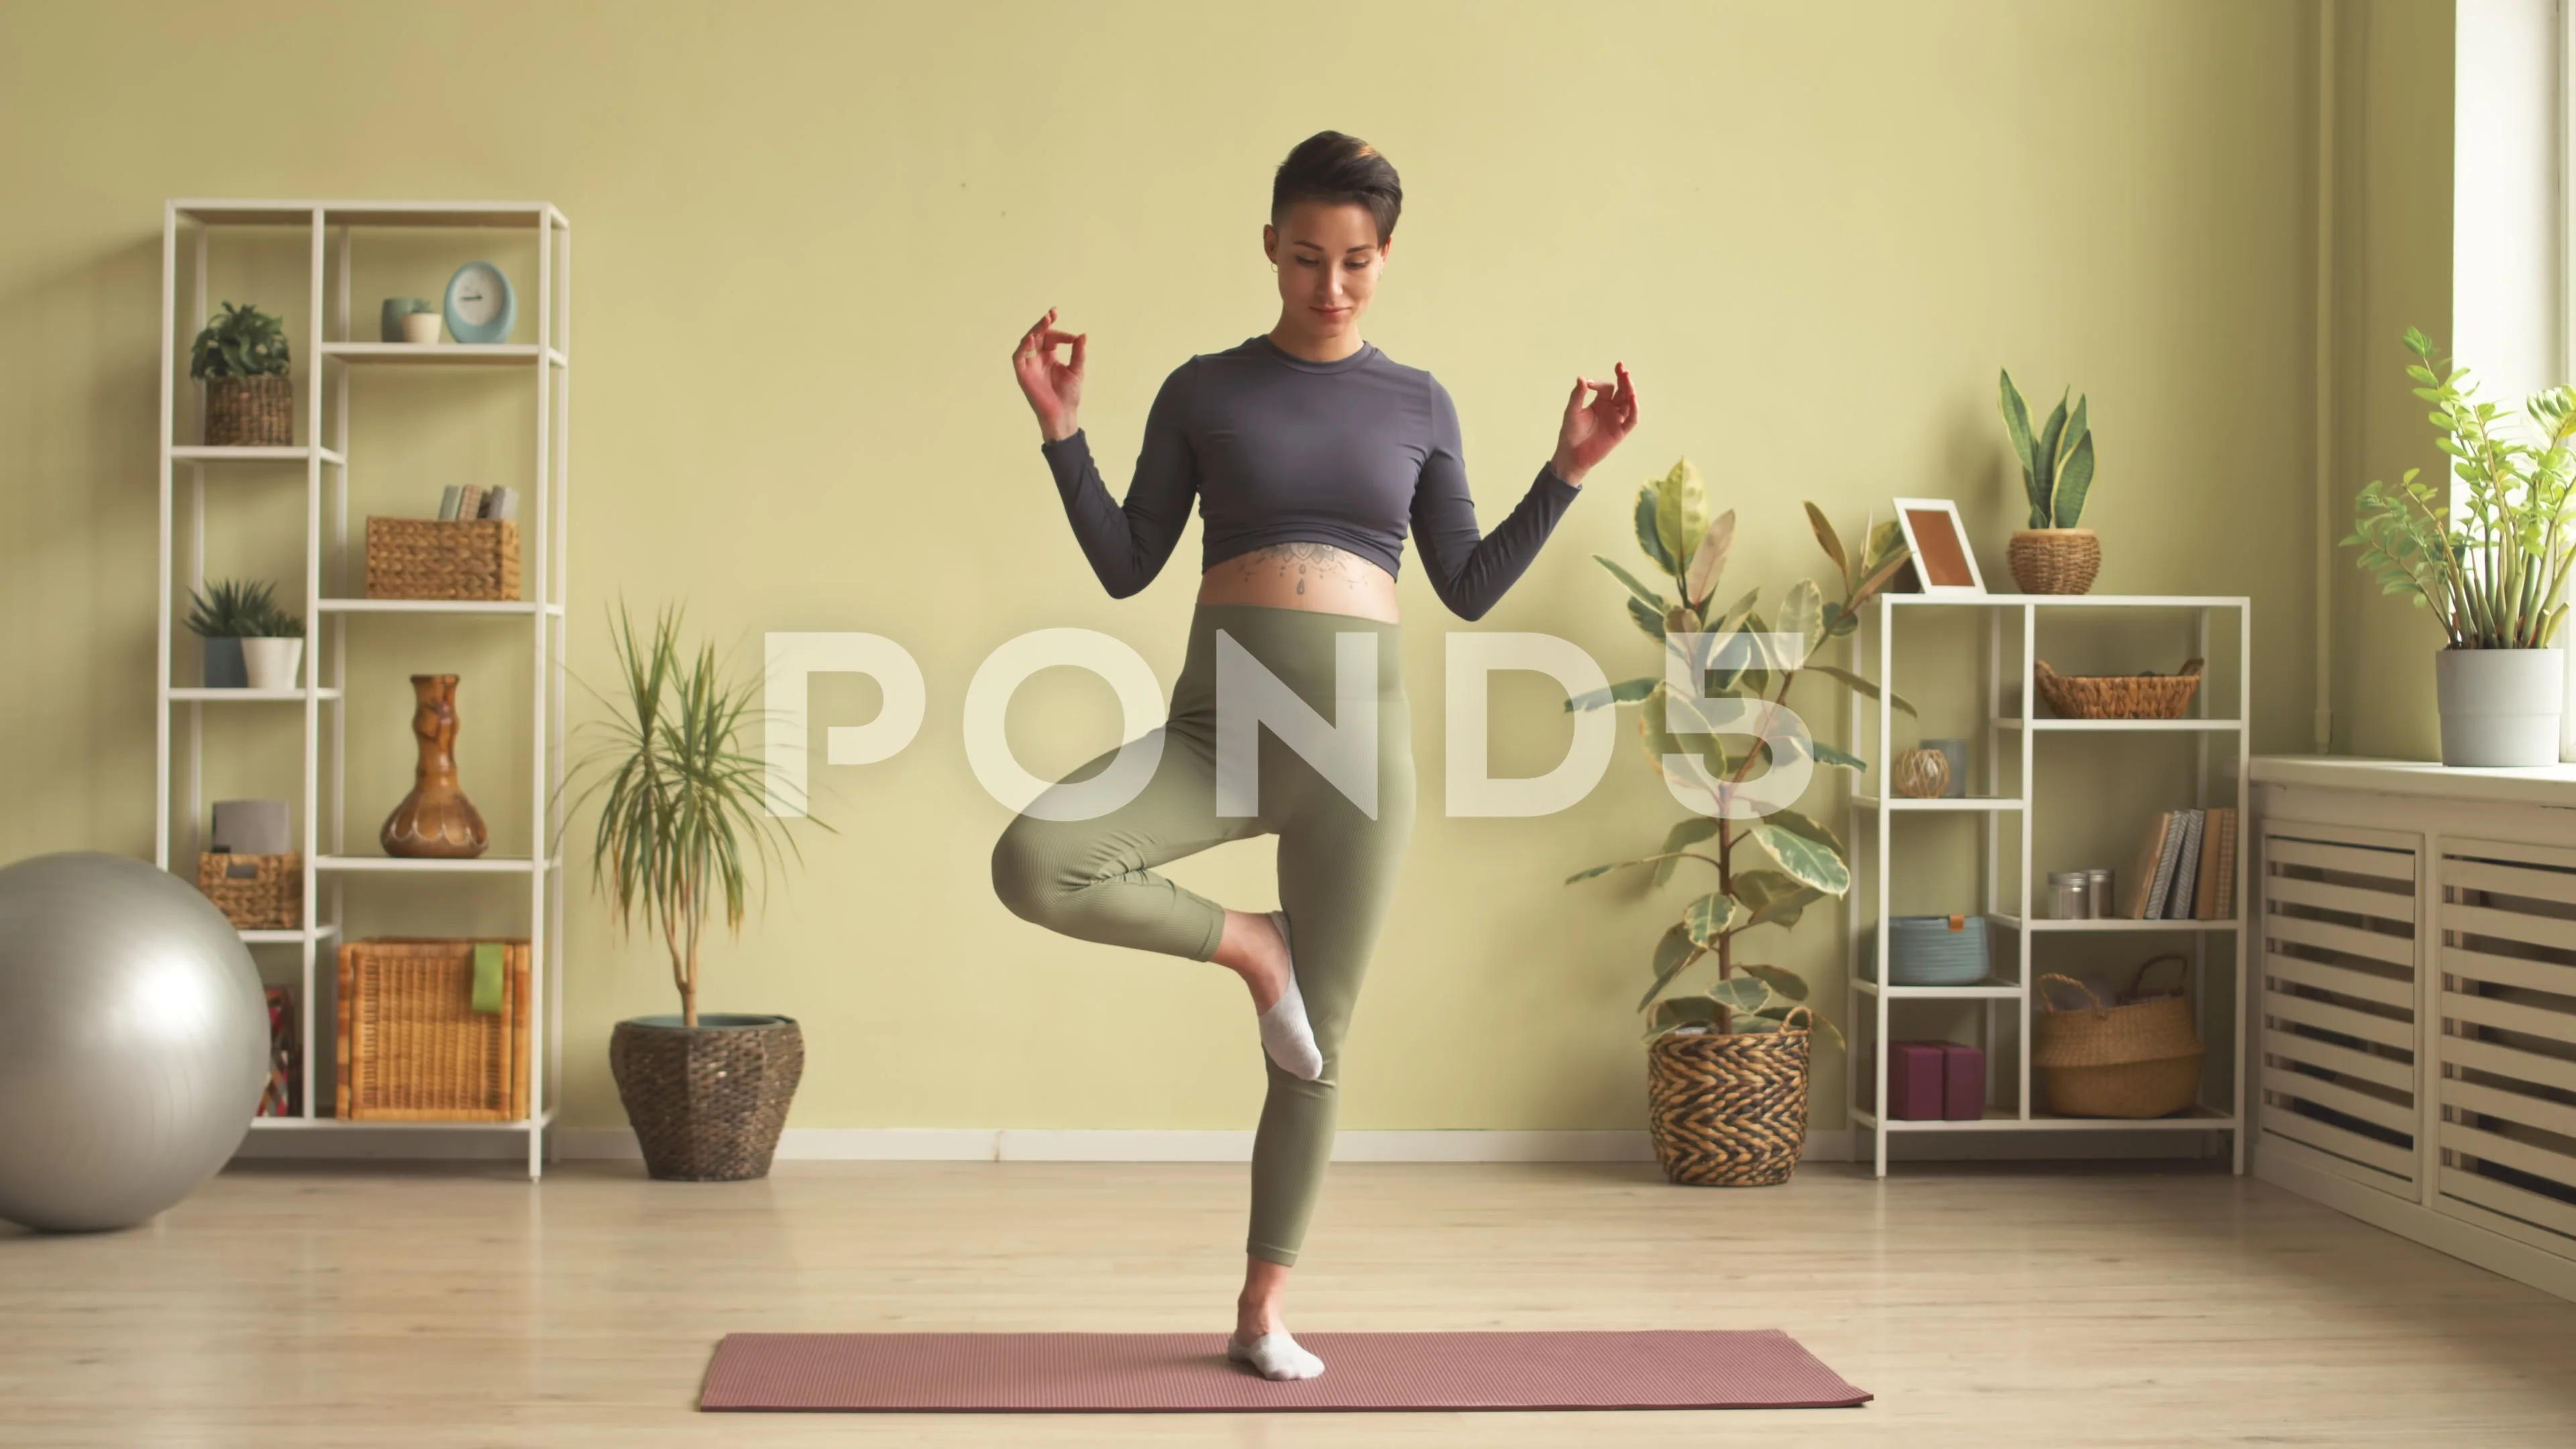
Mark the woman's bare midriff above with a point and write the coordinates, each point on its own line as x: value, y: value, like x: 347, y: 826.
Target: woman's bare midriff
x: 1314, y: 576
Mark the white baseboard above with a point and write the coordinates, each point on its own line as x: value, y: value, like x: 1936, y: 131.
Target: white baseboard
x: 1017, y: 1144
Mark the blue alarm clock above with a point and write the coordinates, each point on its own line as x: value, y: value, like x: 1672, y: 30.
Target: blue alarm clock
x: 480, y: 304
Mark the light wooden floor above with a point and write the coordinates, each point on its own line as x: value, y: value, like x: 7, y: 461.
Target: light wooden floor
x: 295, y: 1304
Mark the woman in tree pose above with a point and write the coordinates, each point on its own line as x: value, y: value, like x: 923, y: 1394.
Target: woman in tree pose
x: 1310, y: 452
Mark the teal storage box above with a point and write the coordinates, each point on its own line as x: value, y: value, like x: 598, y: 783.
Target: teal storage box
x: 1936, y: 950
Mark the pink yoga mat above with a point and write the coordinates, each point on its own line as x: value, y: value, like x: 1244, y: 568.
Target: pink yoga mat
x: 1184, y: 1372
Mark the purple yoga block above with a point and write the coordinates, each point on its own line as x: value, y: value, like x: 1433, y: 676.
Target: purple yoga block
x: 1963, y: 1082
x: 1915, y: 1090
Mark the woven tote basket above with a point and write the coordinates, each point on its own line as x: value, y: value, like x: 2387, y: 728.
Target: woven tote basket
x: 412, y: 1047
x: 440, y: 558
x: 2138, y: 1059
x: 255, y: 892
x: 2118, y: 696
x: 1728, y: 1109
x: 250, y: 412
x: 707, y: 1103
x: 2054, y: 560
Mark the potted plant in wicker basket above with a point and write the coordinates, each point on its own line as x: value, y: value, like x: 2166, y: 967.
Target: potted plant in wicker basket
x: 241, y: 357
x: 1728, y: 1067
x: 2493, y: 568
x: 683, y: 824
x: 2052, y: 555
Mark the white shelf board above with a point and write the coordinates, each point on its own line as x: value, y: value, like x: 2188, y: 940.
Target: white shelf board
x: 2117, y: 924
x: 2071, y: 601
x: 195, y: 454
x: 2145, y: 726
x: 1989, y: 990
x: 287, y: 938
x: 232, y: 212
x: 435, y: 606
x: 195, y: 695
x: 2001, y: 1119
x: 442, y: 354
x: 362, y: 1124
x: 477, y: 865
x: 1956, y: 802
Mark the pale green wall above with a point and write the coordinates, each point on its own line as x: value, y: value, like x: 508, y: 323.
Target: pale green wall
x: 808, y: 235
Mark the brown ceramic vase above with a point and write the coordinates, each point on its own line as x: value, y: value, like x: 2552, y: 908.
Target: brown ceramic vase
x: 435, y: 821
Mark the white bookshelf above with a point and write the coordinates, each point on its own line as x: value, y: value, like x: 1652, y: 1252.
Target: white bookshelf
x: 2005, y: 820
x: 194, y: 478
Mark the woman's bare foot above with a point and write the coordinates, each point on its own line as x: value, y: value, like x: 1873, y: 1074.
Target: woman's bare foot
x: 1253, y: 949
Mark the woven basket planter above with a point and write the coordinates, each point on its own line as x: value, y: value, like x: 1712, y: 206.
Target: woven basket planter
x: 412, y: 1048
x: 438, y: 558
x: 2117, y: 696
x: 707, y: 1103
x: 255, y: 892
x: 250, y: 412
x: 2054, y: 560
x: 2139, y: 1059
x: 1727, y: 1110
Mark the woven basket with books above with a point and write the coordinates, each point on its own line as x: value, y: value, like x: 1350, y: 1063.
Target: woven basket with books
x: 433, y: 1030
x: 439, y: 558
x: 2118, y: 696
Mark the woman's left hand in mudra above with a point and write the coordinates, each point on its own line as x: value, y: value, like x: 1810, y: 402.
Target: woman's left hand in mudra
x: 1592, y: 429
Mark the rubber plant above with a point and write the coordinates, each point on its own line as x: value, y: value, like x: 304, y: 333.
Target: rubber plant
x: 2493, y: 570
x: 1772, y: 865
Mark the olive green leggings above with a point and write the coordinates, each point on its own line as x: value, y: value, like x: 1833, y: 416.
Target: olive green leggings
x: 1337, y: 866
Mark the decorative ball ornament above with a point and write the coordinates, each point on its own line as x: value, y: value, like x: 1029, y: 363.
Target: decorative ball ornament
x: 1922, y: 774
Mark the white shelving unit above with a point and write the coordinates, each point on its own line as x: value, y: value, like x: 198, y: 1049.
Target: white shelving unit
x: 2012, y: 633
x: 334, y: 580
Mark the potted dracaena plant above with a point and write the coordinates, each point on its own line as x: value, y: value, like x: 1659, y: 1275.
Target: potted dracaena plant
x: 684, y: 825
x: 2490, y: 562
x: 1728, y: 1067
x: 241, y: 357
x: 2052, y: 555
x: 228, y: 617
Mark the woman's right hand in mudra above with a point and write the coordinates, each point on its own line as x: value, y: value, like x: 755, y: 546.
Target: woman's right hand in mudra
x: 1054, y: 388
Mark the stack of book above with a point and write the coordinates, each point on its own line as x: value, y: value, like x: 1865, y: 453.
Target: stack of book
x: 464, y: 500
x: 2186, y: 869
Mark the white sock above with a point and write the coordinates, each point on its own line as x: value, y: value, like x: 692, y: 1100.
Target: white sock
x: 1276, y: 1356
x: 1285, y: 1032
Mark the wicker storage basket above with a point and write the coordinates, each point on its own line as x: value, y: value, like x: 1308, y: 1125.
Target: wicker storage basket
x: 1727, y: 1109
x: 439, y: 558
x: 255, y: 892
x: 250, y: 412
x: 2139, y: 1059
x: 412, y: 1048
x: 2117, y: 696
x: 2054, y: 560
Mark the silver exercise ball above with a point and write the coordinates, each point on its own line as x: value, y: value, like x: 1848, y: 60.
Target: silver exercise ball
x: 133, y: 1041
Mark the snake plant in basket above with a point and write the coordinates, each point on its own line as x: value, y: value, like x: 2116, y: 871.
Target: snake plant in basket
x: 2052, y: 555
x: 1728, y: 1065
x: 683, y: 821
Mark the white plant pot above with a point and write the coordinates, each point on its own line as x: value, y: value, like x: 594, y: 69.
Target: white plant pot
x: 2500, y: 707
x: 270, y: 663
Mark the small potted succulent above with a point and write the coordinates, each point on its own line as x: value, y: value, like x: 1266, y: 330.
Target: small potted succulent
x: 2490, y: 562
x: 241, y: 357
x: 2052, y: 555
x: 230, y: 613
x: 1728, y: 1067
x: 683, y: 824
x: 273, y: 648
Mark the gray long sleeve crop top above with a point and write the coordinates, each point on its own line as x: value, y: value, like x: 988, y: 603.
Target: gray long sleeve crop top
x: 1279, y: 448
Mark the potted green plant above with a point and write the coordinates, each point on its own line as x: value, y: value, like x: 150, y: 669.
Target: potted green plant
x: 2052, y: 555
x: 227, y: 613
x: 1728, y: 1066
x: 241, y: 357
x: 683, y: 825
x: 273, y: 648
x: 2491, y: 564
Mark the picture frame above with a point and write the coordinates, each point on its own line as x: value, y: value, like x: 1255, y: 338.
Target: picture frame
x: 1943, y: 563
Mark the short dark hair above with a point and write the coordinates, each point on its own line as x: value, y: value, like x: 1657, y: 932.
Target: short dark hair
x: 1333, y: 168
